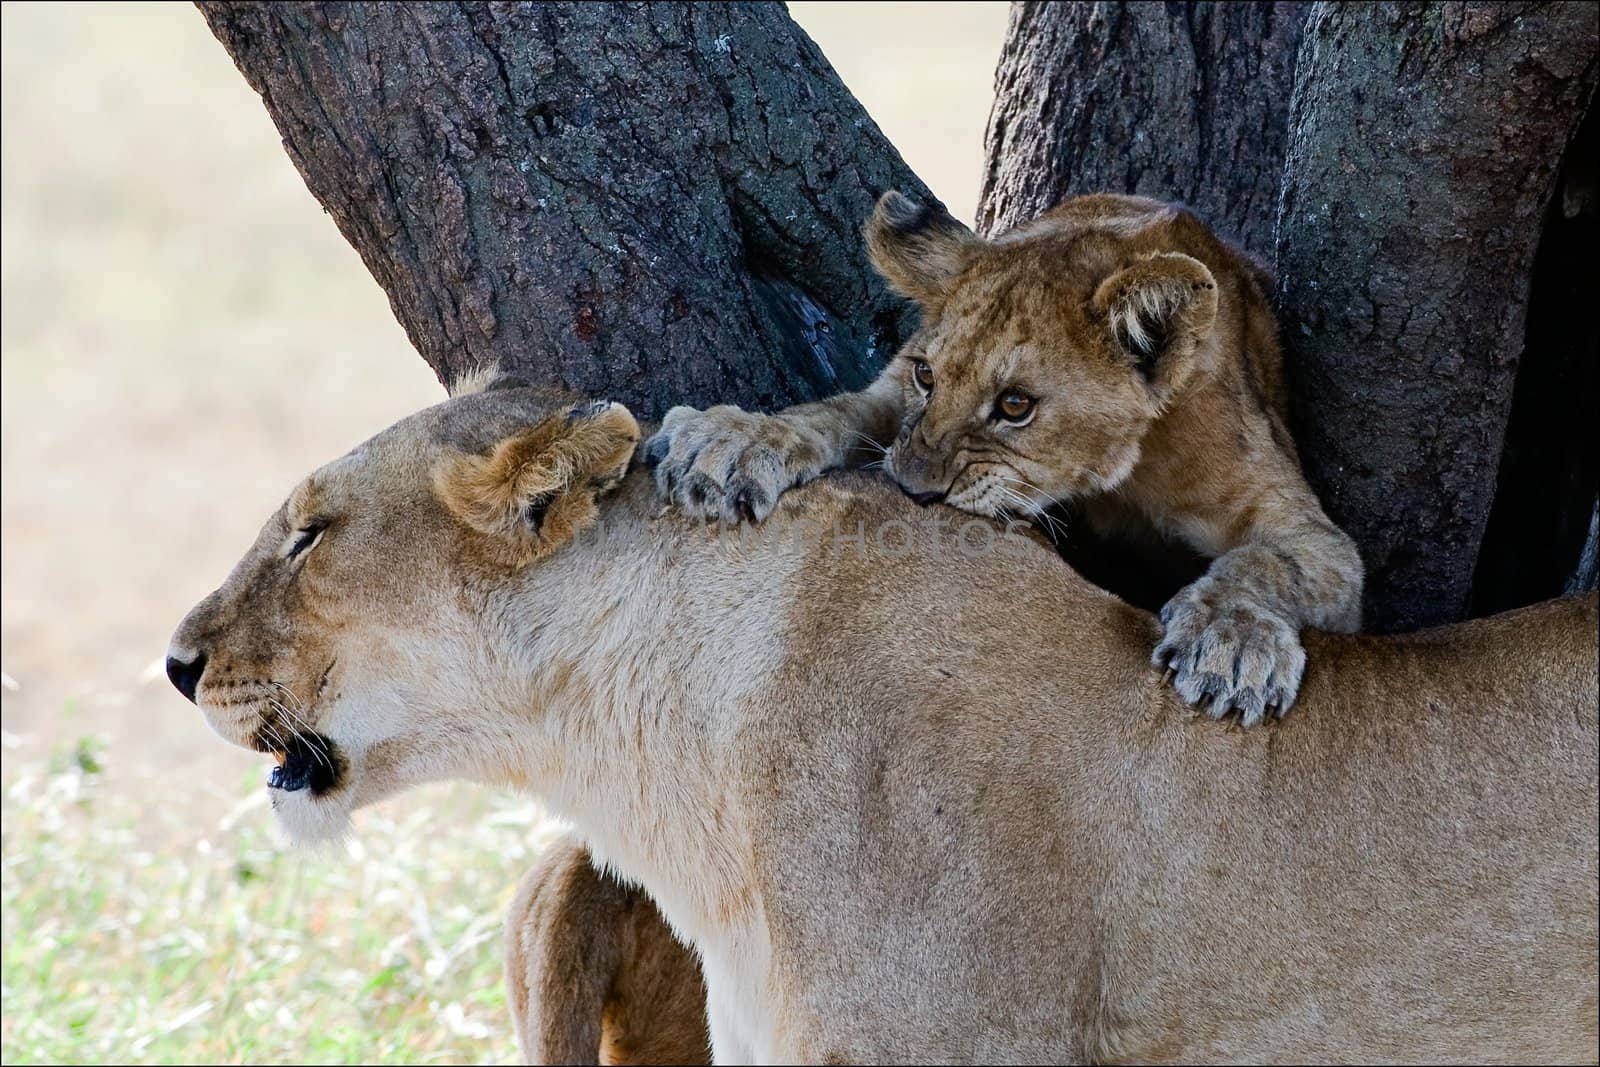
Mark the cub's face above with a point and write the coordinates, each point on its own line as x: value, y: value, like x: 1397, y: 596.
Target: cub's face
x: 350, y: 641
x: 1042, y: 361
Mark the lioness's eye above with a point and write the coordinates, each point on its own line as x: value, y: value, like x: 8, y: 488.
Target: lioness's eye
x: 1014, y: 406
x: 304, y: 538
x: 922, y: 374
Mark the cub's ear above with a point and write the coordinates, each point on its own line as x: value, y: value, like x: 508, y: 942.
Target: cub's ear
x: 1158, y: 311
x: 537, y: 488
x: 919, y: 250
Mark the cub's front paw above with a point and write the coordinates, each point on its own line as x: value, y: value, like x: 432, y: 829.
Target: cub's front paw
x: 1231, y: 652
x: 729, y: 464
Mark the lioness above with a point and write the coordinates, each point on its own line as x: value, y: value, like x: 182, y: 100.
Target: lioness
x: 898, y: 817
x: 1114, y: 353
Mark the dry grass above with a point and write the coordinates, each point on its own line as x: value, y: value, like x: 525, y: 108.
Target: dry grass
x: 225, y: 947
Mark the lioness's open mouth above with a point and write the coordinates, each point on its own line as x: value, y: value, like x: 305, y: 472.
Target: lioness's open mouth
x: 308, y: 761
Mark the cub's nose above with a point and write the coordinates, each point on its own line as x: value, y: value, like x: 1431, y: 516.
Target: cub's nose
x: 185, y: 674
x: 927, y: 498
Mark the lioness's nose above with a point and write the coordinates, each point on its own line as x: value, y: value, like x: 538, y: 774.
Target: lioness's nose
x: 185, y: 674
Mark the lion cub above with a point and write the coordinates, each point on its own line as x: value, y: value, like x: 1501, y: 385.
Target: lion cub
x: 1114, y: 353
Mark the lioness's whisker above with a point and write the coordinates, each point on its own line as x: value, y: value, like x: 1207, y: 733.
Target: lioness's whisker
x: 271, y: 730
x: 298, y: 703
x: 311, y: 740
x: 294, y: 710
x: 293, y: 713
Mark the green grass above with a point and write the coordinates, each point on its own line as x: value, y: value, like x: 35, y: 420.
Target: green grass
x: 221, y: 944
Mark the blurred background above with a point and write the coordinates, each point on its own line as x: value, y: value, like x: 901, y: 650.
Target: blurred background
x: 163, y: 271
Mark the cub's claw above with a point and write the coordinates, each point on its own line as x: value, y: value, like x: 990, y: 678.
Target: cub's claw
x: 1230, y: 654
x: 729, y: 465
x: 750, y: 503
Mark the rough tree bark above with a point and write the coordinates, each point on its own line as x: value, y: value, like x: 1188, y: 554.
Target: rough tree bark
x: 1425, y: 141
x: 658, y: 203
x: 1180, y: 101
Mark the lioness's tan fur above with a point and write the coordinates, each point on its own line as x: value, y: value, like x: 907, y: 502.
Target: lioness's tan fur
x: 897, y: 815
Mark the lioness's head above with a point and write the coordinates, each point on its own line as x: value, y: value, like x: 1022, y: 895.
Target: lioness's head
x: 350, y: 640
x: 1043, y: 356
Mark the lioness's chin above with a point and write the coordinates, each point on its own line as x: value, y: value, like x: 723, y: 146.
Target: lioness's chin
x: 311, y: 815
x: 309, y: 819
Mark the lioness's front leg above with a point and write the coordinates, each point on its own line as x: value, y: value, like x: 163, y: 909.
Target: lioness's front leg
x: 1232, y: 638
x: 733, y: 465
x: 594, y: 974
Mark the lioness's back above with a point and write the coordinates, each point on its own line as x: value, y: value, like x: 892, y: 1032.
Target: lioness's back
x: 1415, y: 842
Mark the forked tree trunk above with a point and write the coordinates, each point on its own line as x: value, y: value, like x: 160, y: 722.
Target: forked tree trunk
x: 1424, y: 148
x: 1180, y: 101
x: 658, y: 203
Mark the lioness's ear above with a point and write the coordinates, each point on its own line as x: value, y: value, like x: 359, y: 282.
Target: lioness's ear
x: 1158, y: 311
x: 537, y: 488
x: 919, y: 250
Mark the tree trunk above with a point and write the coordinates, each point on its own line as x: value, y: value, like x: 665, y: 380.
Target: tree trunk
x: 1179, y: 101
x: 1425, y: 143
x: 657, y: 203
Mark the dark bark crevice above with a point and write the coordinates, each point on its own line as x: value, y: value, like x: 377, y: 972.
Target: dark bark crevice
x: 1549, y: 476
x: 1424, y: 146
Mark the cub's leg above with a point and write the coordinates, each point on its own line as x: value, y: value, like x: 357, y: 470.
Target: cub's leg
x: 593, y: 973
x: 1232, y: 638
x: 733, y: 465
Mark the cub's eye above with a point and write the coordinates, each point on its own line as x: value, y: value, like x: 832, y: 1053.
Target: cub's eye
x: 1014, y: 406
x: 303, y: 538
x: 922, y: 374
